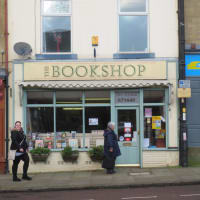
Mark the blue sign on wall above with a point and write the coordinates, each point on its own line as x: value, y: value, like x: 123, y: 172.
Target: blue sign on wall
x: 192, y: 65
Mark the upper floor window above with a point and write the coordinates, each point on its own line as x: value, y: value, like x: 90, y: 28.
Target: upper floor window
x: 56, y: 26
x: 133, y: 26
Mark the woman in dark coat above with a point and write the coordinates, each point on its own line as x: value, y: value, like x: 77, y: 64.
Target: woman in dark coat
x: 20, y: 145
x: 111, y: 148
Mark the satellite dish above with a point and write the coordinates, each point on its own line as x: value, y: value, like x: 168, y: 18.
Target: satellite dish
x: 22, y: 48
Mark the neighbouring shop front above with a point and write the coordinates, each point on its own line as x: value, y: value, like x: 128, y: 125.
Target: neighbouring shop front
x: 192, y: 73
x: 69, y: 104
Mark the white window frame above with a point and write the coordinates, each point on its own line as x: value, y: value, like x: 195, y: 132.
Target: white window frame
x: 54, y: 15
x: 146, y: 13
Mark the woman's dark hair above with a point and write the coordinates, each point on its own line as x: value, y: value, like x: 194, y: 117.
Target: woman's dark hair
x: 17, y: 122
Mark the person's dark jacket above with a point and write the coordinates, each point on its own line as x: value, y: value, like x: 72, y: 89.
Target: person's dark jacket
x: 110, y: 140
x: 17, y: 137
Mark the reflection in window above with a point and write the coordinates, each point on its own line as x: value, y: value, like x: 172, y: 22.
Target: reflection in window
x: 39, y: 120
x: 133, y: 33
x: 97, y: 96
x: 132, y: 5
x: 69, y: 97
x: 96, y: 119
x: 56, y: 7
x: 69, y: 119
x: 154, y: 96
x: 133, y: 27
x: 39, y: 97
x: 154, y: 127
x: 40, y: 127
x: 56, y: 34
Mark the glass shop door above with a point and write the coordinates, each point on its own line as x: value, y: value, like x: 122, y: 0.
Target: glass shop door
x: 127, y: 129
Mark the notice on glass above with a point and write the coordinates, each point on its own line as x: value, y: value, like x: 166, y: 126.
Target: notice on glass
x: 148, y: 112
x: 156, y: 122
x: 127, y: 125
x: 146, y: 142
x: 93, y: 121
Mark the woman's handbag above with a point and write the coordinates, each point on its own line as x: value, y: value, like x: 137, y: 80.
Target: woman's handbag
x: 11, y: 155
x: 108, y: 162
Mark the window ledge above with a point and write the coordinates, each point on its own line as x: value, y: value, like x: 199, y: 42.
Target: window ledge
x: 133, y: 55
x: 56, y: 56
x: 79, y: 149
x: 159, y: 149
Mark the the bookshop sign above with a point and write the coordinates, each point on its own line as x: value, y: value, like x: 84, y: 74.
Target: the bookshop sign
x: 94, y: 70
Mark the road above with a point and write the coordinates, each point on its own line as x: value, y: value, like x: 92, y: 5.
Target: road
x: 191, y: 192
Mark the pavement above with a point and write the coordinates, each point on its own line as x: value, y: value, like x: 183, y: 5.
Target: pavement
x: 125, y: 177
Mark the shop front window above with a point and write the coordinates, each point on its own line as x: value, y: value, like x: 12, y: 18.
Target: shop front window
x: 69, y: 120
x: 154, y: 96
x: 56, y: 23
x: 154, y: 127
x: 39, y: 97
x: 69, y: 127
x: 69, y: 97
x: 97, y: 97
x: 39, y: 126
x: 96, y: 119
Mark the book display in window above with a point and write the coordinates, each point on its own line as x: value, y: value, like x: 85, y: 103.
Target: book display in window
x: 36, y: 140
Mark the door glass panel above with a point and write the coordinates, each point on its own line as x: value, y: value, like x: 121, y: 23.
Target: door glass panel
x: 126, y: 125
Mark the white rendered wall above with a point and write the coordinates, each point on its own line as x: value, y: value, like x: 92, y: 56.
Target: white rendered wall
x: 160, y: 158
x: 163, y: 28
x: 94, y: 17
x: 173, y: 138
x: 55, y: 163
x: 21, y: 24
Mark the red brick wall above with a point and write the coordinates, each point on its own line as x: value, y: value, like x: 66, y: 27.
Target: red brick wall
x: 2, y: 130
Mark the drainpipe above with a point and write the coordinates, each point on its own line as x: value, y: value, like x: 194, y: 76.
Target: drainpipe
x: 183, y: 126
x: 6, y: 67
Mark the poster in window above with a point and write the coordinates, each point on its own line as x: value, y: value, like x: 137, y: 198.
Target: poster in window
x: 146, y: 142
x: 148, y: 112
x: 127, y: 129
x: 127, y: 124
x: 73, y: 143
x: 93, y: 122
x: 39, y: 143
x: 73, y: 133
x: 156, y: 122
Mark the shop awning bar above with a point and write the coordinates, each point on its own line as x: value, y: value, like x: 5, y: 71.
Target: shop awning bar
x: 95, y: 84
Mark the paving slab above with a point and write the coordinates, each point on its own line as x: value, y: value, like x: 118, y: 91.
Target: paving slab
x: 125, y: 177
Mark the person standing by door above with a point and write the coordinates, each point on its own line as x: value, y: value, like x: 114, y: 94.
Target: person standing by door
x: 20, y: 145
x: 111, y: 148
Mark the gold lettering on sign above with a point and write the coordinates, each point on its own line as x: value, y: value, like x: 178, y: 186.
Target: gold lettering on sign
x: 46, y: 71
x: 95, y: 70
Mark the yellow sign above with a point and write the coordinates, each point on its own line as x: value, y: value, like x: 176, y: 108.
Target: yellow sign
x: 128, y: 70
x: 95, y: 40
x: 156, y: 122
x: 194, y: 65
x: 184, y: 92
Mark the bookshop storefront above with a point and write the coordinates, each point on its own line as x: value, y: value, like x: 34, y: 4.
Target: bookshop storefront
x: 69, y: 104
